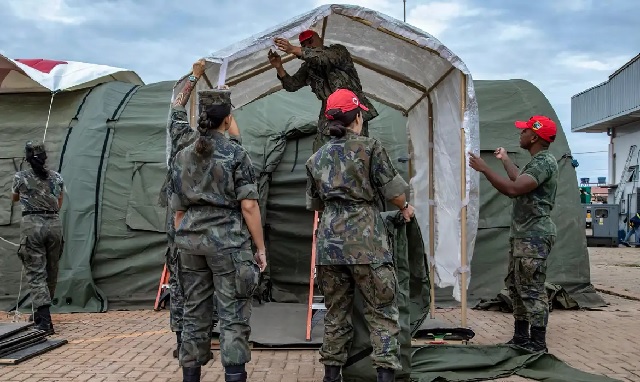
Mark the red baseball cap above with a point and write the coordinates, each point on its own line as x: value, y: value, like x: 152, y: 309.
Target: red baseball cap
x: 305, y: 35
x: 541, y: 125
x: 345, y: 100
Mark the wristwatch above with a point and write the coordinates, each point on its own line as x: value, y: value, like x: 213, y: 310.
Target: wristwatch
x: 193, y: 78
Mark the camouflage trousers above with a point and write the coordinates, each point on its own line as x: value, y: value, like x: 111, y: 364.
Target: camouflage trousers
x: 41, y: 244
x: 233, y: 278
x: 176, y: 302
x: 526, y: 277
x: 378, y: 285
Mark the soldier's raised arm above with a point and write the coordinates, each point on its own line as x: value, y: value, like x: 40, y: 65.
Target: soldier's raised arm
x: 312, y: 52
x: 290, y: 83
x: 178, y: 120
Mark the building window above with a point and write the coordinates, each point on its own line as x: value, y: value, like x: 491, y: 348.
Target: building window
x: 602, y: 213
x: 633, y: 174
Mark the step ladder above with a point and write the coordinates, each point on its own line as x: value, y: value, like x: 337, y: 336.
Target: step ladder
x: 315, y: 307
x: 164, y: 290
x: 623, y: 176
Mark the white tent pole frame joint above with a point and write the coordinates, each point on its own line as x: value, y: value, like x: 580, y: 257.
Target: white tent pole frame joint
x: 428, y: 92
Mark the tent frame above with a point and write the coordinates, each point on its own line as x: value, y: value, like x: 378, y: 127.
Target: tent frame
x: 464, y: 268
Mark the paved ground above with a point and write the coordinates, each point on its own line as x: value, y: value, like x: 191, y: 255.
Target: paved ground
x: 136, y: 346
x: 616, y: 269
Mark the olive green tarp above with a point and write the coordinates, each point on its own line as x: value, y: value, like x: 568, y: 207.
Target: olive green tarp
x: 109, y: 144
x: 112, y: 144
x: 465, y: 363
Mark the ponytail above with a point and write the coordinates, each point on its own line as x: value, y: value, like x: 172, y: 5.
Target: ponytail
x: 203, y: 145
x: 36, y: 156
x: 337, y: 129
x: 209, y: 119
x: 38, y: 166
x: 339, y: 121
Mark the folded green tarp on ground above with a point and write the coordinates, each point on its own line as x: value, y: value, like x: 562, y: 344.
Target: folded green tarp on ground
x: 557, y: 295
x: 465, y: 363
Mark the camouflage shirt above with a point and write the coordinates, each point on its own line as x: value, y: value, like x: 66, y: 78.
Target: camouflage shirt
x: 326, y: 70
x: 343, y: 177
x: 37, y: 194
x: 531, y: 212
x: 210, y: 190
x: 181, y: 135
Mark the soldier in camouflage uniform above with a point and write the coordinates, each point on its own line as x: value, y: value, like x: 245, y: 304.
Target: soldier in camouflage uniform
x: 181, y: 135
x: 215, y: 197
x: 533, y: 233
x: 40, y: 192
x: 325, y: 69
x: 343, y: 177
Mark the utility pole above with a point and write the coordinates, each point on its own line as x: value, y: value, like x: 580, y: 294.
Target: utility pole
x: 404, y: 5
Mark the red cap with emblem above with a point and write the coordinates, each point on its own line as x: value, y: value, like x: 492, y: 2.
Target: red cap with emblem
x: 345, y: 100
x: 541, y: 125
x: 305, y: 35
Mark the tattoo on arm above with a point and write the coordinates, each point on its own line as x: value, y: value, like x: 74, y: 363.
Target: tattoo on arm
x: 183, y: 97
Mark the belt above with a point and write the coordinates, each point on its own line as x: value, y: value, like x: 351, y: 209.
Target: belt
x: 344, y: 202
x: 25, y: 213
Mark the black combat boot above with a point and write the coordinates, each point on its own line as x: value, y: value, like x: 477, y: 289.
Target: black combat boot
x: 332, y: 373
x: 235, y: 373
x: 176, y: 352
x: 191, y: 374
x: 42, y: 320
x: 386, y: 375
x: 538, y: 342
x: 521, y: 333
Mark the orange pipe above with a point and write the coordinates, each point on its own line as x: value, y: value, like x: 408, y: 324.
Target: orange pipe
x: 311, y: 283
x: 163, y: 280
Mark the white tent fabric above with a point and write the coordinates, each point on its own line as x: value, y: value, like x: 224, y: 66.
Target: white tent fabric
x: 408, y: 69
x: 39, y: 75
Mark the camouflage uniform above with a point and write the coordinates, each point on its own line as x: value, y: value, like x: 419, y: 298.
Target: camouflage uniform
x: 215, y: 246
x: 41, y: 239
x: 352, y: 248
x: 532, y: 236
x: 181, y: 135
x: 326, y: 70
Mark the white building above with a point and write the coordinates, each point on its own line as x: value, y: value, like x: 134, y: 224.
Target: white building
x: 613, y: 107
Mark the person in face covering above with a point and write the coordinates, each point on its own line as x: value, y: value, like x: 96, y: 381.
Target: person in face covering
x: 215, y: 196
x: 40, y: 192
x: 343, y: 179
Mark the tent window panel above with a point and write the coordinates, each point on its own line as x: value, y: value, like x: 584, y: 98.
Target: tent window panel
x: 246, y: 91
x: 395, y: 92
x: 8, y: 168
x: 143, y: 211
x: 384, y: 49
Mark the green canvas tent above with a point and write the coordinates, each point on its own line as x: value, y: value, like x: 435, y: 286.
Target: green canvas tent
x: 109, y: 143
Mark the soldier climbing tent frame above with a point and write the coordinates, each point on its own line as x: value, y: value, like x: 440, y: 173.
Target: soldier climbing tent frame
x: 411, y: 71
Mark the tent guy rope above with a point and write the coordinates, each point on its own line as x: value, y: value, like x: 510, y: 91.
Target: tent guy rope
x: 46, y: 126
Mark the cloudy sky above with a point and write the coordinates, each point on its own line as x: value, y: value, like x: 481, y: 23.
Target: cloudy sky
x: 561, y: 46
